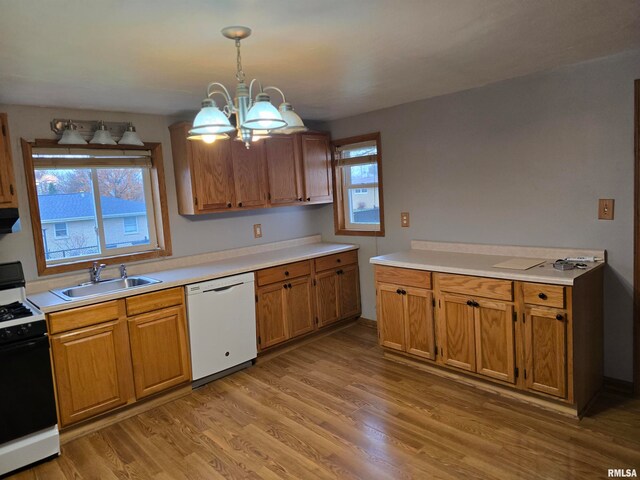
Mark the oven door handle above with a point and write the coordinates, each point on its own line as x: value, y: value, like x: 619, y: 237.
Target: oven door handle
x: 20, y: 346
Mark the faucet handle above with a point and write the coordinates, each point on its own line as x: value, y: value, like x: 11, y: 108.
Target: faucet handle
x: 123, y: 270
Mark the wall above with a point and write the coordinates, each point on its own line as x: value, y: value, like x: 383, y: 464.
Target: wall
x: 518, y: 162
x: 189, y: 235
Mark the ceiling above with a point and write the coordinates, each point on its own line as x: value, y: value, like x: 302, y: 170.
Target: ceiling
x: 333, y: 58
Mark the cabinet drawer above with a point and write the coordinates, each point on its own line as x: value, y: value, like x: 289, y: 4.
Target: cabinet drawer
x: 154, y: 301
x: 283, y: 272
x: 542, y: 294
x: 404, y: 276
x: 83, y: 316
x: 476, y: 286
x: 331, y: 261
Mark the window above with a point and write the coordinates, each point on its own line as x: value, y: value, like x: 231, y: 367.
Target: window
x: 60, y: 230
x: 93, y: 203
x: 130, y: 225
x: 357, y: 166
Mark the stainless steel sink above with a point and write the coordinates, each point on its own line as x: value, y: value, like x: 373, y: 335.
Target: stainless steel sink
x: 103, y: 287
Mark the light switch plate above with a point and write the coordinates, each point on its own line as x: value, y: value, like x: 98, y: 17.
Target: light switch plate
x: 605, y: 208
x: 404, y: 219
x: 257, y: 230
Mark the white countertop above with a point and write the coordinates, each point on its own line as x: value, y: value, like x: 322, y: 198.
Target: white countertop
x: 480, y: 265
x: 48, y: 302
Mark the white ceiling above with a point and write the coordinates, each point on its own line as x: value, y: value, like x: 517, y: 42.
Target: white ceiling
x: 333, y: 58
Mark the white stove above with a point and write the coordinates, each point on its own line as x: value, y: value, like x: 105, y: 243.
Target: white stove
x: 28, y: 421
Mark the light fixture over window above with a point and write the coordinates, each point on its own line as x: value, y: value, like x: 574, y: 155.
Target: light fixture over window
x: 212, y: 123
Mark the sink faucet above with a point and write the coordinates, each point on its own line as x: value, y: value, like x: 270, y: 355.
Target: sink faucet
x: 123, y: 271
x: 95, y: 271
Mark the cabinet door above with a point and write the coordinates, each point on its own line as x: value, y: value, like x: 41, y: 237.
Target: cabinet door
x: 495, y: 351
x: 213, y: 176
x: 8, y: 196
x: 92, y: 370
x: 349, y: 291
x: 249, y: 174
x: 391, y: 316
x: 327, y: 297
x: 283, y: 167
x: 545, y: 338
x: 272, y: 326
x: 418, y: 318
x: 159, y: 350
x: 298, y: 304
x: 316, y: 159
x: 457, y: 331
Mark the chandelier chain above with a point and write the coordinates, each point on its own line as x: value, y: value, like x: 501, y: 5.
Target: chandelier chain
x: 239, y: 71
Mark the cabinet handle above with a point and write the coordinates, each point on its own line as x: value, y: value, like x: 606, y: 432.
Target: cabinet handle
x: 404, y: 292
x: 11, y: 191
x: 559, y: 317
x: 240, y: 204
x: 300, y: 199
x: 470, y: 303
x: 285, y: 286
x: 229, y: 205
x: 542, y: 296
x: 476, y: 304
x: 289, y: 285
x: 399, y: 291
x: 308, y: 199
x: 286, y: 273
x: 338, y: 260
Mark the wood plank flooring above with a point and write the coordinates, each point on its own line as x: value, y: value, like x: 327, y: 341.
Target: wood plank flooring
x: 335, y: 408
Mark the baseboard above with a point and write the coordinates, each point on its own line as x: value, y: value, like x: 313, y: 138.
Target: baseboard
x: 619, y: 387
x: 367, y: 322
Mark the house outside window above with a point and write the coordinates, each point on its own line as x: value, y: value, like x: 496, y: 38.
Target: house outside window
x: 130, y: 225
x: 60, y: 230
x: 95, y: 204
x: 357, y: 167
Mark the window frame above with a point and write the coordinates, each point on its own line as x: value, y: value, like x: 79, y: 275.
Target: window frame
x: 55, y: 230
x: 342, y: 224
x: 157, y: 194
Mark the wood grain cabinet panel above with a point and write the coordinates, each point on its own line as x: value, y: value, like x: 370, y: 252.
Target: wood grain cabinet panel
x: 403, y: 276
x: 249, y: 175
x: 545, y: 346
x: 84, y: 316
x: 391, y: 316
x: 419, y: 330
x: 477, y: 286
x: 159, y: 350
x: 272, y: 322
x: 349, y: 291
x: 283, y: 273
x: 299, y: 307
x: 545, y: 295
x: 457, y: 330
x: 327, y: 297
x: 336, y: 260
x: 284, y: 169
x: 92, y: 370
x: 149, y: 302
x: 495, y: 340
x: 8, y: 194
x: 316, y: 156
x: 212, y: 176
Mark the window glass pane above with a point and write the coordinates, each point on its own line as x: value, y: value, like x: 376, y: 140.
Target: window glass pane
x: 358, y: 151
x: 122, y: 197
x: 363, y: 174
x: 67, y: 213
x: 364, y: 209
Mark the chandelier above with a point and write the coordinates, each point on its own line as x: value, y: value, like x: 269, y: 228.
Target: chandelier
x: 255, y: 119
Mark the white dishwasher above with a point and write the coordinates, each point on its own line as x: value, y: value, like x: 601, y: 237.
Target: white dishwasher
x: 222, y: 326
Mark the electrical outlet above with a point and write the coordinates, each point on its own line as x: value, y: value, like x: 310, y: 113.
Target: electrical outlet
x: 257, y: 230
x: 404, y: 219
x: 605, y: 208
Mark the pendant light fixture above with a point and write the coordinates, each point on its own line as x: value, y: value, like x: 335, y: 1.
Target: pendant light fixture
x: 130, y: 136
x: 70, y: 135
x: 212, y: 123
x: 102, y: 136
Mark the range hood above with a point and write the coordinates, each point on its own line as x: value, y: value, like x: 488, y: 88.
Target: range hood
x: 8, y: 217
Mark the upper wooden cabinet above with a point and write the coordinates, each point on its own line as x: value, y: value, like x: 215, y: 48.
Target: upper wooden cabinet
x: 8, y: 197
x: 316, y: 161
x: 225, y: 175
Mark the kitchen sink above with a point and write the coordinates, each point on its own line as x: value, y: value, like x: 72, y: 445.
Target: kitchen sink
x: 103, y: 287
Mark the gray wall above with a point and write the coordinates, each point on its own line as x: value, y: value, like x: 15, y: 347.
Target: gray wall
x: 190, y: 235
x: 518, y: 162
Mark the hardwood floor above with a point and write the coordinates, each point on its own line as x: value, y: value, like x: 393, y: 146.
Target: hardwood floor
x: 336, y: 409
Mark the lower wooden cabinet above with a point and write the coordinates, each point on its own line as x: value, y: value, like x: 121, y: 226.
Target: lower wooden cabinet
x: 108, y: 364
x: 537, y: 338
x: 159, y: 350
x: 92, y: 370
x: 405, y: 319
x: 545, y: 351
x: 284, y: 311
x: 337, y: 294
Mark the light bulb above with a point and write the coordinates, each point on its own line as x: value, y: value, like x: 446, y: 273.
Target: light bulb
x: 209, y: 138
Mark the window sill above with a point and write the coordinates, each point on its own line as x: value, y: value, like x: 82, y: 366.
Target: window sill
x: 360, y: 233
x: 109, y: 260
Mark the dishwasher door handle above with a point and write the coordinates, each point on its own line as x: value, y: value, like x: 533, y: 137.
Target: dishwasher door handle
x: 222, y: 289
